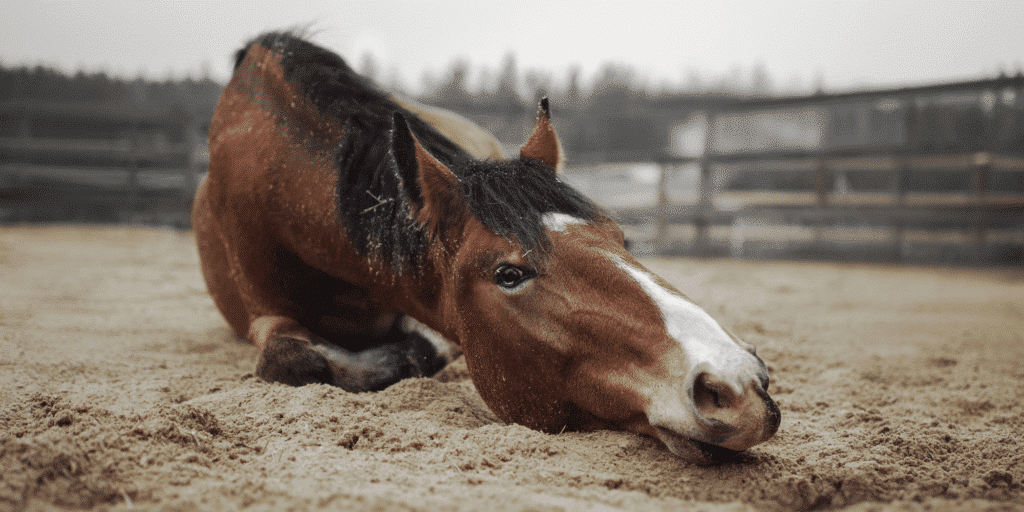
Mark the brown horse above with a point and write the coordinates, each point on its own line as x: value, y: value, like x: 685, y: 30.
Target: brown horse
x: 349, y: 240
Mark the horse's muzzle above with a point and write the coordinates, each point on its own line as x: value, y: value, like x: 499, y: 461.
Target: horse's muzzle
x: 717, y: 418
x: 732, y: 420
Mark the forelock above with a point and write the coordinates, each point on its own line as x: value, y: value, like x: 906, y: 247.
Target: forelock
x: 511, y: 197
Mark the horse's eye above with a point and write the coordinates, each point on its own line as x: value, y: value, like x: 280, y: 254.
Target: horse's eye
x: 511, y: 276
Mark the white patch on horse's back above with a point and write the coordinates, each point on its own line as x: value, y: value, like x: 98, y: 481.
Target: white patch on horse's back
x: 446, y: 349
x: 558, y: 222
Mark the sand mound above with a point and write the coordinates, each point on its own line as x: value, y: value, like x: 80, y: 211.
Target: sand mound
x: 120, y: 387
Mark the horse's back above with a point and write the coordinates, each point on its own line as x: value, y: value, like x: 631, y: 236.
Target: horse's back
x: 475, y: 140
x: 261, y: 213
x: 296, y: 143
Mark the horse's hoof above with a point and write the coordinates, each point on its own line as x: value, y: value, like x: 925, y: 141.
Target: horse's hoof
x: 382, y: 366
x: 424, y: 359
x: 293, y: 362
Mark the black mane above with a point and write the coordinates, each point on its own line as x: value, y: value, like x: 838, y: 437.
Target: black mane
x: 507, y: 197
x: 510, y: 197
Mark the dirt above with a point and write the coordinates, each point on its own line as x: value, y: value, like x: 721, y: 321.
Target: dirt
x: 121, y: 388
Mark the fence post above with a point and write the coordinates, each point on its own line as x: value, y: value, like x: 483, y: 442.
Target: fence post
x: 982, y: 168
x: 899, y: 192
x: 912, y: 136
x: 132, y: 186
x: 661, y: 209
x: 24, y: 209
x: 196, y: 143
x: 702, y: 220
x: 822, y: 200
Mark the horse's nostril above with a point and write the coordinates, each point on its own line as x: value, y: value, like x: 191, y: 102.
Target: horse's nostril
x: 707, y: 394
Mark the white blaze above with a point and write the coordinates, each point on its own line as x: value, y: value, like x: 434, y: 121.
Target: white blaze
x: 560, y: 221
x: 707, y: 348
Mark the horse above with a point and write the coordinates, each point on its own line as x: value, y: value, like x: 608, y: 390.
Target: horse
x: 345, y: 234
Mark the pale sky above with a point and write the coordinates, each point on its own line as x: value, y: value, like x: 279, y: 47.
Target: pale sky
x: 844, y: 45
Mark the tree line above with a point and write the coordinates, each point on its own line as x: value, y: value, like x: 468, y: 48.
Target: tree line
x: 617, y: 92
x: 510, y: 86
x: 43, y: 84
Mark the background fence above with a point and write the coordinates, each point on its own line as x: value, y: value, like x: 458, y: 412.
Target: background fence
x: 95, y: 163
x: 89, y: 148
x: 925, y: 174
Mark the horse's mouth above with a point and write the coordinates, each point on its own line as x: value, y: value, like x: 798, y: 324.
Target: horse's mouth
x: 698, y: 452
x: 716, y: 454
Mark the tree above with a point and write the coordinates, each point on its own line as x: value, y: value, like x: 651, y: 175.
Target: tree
x: 761, y: 81
x: 613, y: 92
x: 538, y: 83
x: 506, y: 94
x: 368, y: 67
x: 573, y: 97
x: 454, y: 92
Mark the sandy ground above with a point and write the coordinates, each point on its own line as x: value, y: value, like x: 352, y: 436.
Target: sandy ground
x: 121, y: 388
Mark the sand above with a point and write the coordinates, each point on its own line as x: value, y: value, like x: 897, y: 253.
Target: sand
x: 121, y: 388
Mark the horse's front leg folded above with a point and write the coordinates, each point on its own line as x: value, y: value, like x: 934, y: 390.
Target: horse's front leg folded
x: 291, y: 359
x: 291, y: 354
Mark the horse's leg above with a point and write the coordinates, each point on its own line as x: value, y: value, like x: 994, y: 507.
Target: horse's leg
x: 258, y: 308
x: 286, y: 352
x: 446, y: 350
x: 291, y: 354
x: 215, y: 263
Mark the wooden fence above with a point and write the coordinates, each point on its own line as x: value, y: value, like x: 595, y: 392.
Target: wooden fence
x: 929, y: 174
x: 145, y: 170
x: 835, y: 220
x: 917, y: 174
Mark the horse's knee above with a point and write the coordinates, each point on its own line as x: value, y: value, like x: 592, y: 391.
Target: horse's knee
x: 292, y: 361
x: 413, y: 356
x: 291, y: 354
x: 381, y: 366
x: 445, y: 350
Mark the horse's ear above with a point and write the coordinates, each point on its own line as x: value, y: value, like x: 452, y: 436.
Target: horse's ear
x: 543, y: 143
x: 429, y: 185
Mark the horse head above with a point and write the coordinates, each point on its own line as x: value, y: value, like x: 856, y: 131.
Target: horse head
x: 561, y: 327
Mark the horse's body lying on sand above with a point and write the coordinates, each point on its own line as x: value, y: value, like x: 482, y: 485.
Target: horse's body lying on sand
x: 356, y: 244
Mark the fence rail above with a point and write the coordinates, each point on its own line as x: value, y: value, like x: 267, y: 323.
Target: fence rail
x: 931, y: 173
x: 876, y: 174
x: 982, y: 221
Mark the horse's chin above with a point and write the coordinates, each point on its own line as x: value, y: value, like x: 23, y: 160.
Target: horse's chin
x: 698, y: 452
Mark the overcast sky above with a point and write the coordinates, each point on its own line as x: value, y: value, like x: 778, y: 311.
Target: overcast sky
x: 843, y: 45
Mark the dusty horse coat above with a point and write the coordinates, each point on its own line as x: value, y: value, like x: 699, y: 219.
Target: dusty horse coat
x: 355, y: 244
